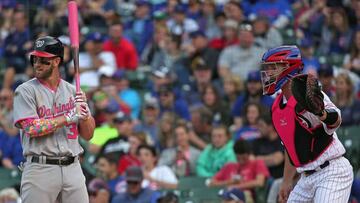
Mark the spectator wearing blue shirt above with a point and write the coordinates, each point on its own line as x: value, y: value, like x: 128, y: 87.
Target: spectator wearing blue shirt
x: 15, y: 47
x: 141, y: 28
x: 277, y: 11
x: 126, y: 94
x: 253, y: 92
x: 250, y: 131
x: 168, y: 102
x: 107, y: 166
x: 134, y: 193
x: 311, y: 63
x: 12, y: 152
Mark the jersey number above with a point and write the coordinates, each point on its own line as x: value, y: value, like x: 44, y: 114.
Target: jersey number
x: 72, y: 131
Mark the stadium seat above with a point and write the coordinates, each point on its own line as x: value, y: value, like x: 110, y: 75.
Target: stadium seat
x: 9, y: 178
x: 350, y: 138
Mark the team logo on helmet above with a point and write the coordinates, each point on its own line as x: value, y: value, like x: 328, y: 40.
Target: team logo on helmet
x: 39, y: 43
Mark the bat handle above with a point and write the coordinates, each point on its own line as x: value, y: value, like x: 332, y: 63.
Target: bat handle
x: 76, y: 67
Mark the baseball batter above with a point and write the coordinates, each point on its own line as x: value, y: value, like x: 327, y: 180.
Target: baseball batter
x: 51, y: 115
x: 306, y: 121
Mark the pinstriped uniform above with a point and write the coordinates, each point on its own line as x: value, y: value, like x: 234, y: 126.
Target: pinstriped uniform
x: 332, y: 183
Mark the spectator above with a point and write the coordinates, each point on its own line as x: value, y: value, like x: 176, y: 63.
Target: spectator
x: 211, y: 99
x: 246, y: 174
x: 8, y: 195
x: 124, y: 51
x: 107, y: 166
x: 228, y: 38
x: 150, y: 119
x: 311, y: 63
x: 15, y: 47
x: 168, y: 102
x: 131, y: 159
x: 168, y: 197
x: 126, y: 95
x: 155, y: 177
x: 266, y: 36
x: 216, y: 154
x: 233, y: 86
x: 352, y: 59
x: 268, y: 147
x: 234, y: 11
x: 98, y: 191
x: 6, y: 112
x: 253, y: 93
x: 232, y: 196
x: 120, y: 144
x: 166, y: 130
x: 134, y: 192
x: 161, y: 76
x: 250, y: 131
x: 242, y: 58
x: 94, y: 60
x: 182, y: 158
x: 179, y: 24
x: 140, y: 29
x: 213, y: 20
x: 279, y: 16
x: 47, y: 20
x: 346, y: 101
x: 326, y: 78
x: 202, y: 124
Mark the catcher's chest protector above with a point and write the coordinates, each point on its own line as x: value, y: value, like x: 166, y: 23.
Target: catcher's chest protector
x: 303, y: 143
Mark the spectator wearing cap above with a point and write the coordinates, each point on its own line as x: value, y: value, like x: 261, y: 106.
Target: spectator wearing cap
x: 168, y: 102
x: 105, y: 110
x: 279, y: 16
x: 107, y: 166
x: 155, y: 177
x: 140, y: 29
x: 124, y: 51
x: 15, y: 46
x: 253, y: 92
x: 202, y: 77
x: 246, y: 174
x: 134, y: 192
x: 181, y: 159
x: 179, y: 24
x: 98, y: 191
x: 125, y: 94
x: 229, y: 36
x: 150, y: 119
x: 202, y: 124
x: 311, y: 63
x: 266, y: 36
x: 119, y: 144
x: 94, y: 60
x: 326, y: 78
x: 242, y: 58
x: 232, y: 196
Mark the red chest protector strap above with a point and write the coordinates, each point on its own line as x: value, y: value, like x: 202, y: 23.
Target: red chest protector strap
x: 303, y: 144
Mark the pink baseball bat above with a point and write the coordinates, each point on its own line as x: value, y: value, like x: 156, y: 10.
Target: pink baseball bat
x: 74, y: 38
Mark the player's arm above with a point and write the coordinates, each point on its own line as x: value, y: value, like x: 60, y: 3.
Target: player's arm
x: 287, y: 184
x: 41, y: 127
x: 331, y: 114
x: 87, y: 127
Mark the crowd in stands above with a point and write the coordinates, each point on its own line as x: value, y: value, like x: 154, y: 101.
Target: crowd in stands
x: 175, y: 87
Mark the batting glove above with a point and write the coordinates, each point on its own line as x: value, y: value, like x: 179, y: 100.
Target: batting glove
x: 72, y: 116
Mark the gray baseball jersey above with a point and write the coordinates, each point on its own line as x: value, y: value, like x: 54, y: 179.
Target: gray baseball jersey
x: 34, y: 99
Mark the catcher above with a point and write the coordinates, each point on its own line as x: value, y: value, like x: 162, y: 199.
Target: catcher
x: 306, y: 121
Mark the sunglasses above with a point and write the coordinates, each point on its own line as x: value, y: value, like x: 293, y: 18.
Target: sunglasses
x: 42, y: 60
x: 132, y: 182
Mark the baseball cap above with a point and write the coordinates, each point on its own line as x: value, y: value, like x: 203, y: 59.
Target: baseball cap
x: 325, y: 70
x: 233, y: 194
x: 162, y: 72
x: 151, y: 102
x: 142, y: 3
x: 197, y: 33
x: 199, y: 63
x: 180, y: 9
x: 112, y: 107
x: 119, y: 75
x: 97, y: 184
x: 95, y: 36
x: 229, y: 23
x: 254, y: 76
x: 134, y: 173
x: 121, y: 117
x: 306, y: 42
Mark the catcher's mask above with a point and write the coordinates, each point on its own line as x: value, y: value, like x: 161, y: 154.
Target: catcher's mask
x: 47, y: 47
x: 278, y: 66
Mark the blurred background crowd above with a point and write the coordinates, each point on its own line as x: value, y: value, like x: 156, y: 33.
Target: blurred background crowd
x: 176, y: 91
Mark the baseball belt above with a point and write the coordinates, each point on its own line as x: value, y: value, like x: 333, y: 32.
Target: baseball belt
x: 310, y: 172
x: 62, y: 161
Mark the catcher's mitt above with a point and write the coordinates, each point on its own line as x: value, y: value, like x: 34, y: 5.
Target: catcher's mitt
x: 307, y: 92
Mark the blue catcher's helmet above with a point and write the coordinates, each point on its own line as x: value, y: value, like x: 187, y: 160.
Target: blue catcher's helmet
x: 278, y: 66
